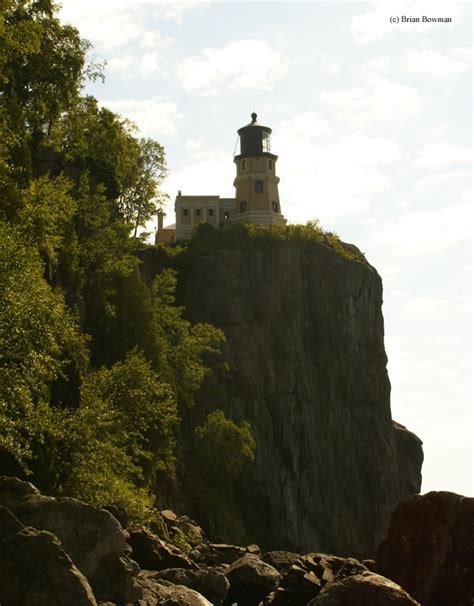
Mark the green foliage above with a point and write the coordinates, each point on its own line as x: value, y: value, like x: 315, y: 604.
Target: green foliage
x: 35, y: 330
x: 237, y: 236
x: 121, y: 434
x: 222, y: 449
x: 187, y: 353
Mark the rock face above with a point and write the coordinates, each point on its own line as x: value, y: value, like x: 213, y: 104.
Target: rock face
x: 429, y: 549
x: 92, y: 537
x: 305, y: 347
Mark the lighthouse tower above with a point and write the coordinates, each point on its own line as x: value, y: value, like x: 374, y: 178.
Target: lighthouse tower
x: 256, y: 183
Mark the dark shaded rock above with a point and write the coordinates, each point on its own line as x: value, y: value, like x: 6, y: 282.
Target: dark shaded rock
x: 305, y: 348
x: 210, y: 583
x: 214, y: 554
x: 166, y: 594
x: 363, y: 590
x: 92, y: 537
x: 429, y: 548
x: 119, y: 514
x: 9, y: 524
x: 35, y: 571
x: 370, y: 565
x: 251, y: 580
x: 152, y: 553
x: 281, y: 560
x: 309, y: 575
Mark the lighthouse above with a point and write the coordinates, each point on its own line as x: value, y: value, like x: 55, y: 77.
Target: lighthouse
x: 256, y: 192
x: 256, y: 183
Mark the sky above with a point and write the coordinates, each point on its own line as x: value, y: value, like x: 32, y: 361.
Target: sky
x: 372, y: 123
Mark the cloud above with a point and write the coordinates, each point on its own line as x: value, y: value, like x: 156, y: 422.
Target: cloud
x: 131, y: 66
x: 155, y: 117
x: 240, y: 64
x: 374, y: 24
x: 428, y: 232
x: 329, y: 180
x: 439, y: 180
x: 381, y: 100
x: 110, y: 24
x: 433, y: 62
x: 440, y: 154
x: 378, y: 66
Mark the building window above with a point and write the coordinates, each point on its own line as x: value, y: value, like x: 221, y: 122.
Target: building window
x: 266, y: 142
x: 270, y: 164
x: 244, y: 164
x: 259, y: 186
x: 243, y: 207
x: 198, y: 212
x: 210, y: 212
x: 275, y: 207
x: 226, y: 215
x: 185, y: 212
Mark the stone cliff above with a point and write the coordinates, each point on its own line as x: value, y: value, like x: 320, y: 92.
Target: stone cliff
x: 305, y: 346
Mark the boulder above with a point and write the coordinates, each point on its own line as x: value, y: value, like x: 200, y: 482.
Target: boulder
x: 364, y: 589
x: 308, y: 576
x: 281, y: 560
x: 92, y: 537
x: 250, y: 580
x: 35, y: 570
x: 152, y: 553
x: 210, y: 583
x: 429, y: 548
x: 213, y: 554
x: 165, y: 593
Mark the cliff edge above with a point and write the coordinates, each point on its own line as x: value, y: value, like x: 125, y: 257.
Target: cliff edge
x: 305, y: 347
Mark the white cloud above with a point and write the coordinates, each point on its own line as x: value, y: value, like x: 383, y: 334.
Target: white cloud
x: 374, y: 24
x: 131, y: 66
x: 421, y: 233
x: 432, y: 62
x: 381, y: 100
x: 381, y: 65
x: 176, y: 10
x: 240, y: 64
x: 434, y: 182
x: 439, y: 154
x: 110, y: 24
x: 154, y: 117
x: 328, y: 181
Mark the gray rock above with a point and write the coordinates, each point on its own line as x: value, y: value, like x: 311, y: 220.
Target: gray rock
x: 362, y: 590
x: 166, y: 594
x: 210, y: 583
x: 152, y: 553
x: 35, y: 571
x: 305, y: 347
x: 92, y: 537
x: 281, y: 560
x: 309, y: 575
x: 251, y: 580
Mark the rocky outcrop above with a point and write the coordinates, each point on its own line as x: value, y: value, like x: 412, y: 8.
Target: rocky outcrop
x: 251, y: 580
x: 35, y: 570
x: 429, y: 548
x: 305, y: 346
x: 92, y: 538
x: 363, y: 589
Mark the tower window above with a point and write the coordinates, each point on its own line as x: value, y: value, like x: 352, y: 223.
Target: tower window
x: 243, y: 207
x: 259, y: 186
x: 244, y: 164
x: 185, y: 212
x: 275, y: 207
x: 198, y: 212
x: 210, y: 212
x: 270, y: 164
x: 226, y: 214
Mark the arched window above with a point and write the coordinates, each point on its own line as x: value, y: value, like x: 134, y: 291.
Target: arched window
x: 275, y: 207
x: 244, y: 164
x: 270, y: 164
x: 259, y: 186
x: 243, y: 207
